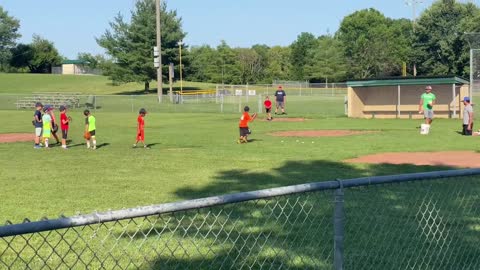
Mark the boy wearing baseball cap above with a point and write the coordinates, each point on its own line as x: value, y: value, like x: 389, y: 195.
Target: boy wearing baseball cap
x: 243, y: 125
x: 37, y: 123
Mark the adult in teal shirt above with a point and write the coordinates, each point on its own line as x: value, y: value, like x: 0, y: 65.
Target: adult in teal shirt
x: 427, y: 100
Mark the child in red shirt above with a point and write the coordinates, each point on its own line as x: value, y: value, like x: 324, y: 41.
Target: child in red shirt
x: 141, y: 128
x: 268, y: 108
x: 243, y: 125
x: 64, y: 123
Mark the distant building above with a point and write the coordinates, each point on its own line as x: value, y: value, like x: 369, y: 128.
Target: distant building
x: 75, y: 67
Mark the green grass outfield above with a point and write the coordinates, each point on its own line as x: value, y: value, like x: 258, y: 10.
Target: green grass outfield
x: 192, y: 156
x: 21, y: 83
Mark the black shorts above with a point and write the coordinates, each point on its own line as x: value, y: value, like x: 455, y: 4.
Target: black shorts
x: 54, y: 128
x: 244, y: 131
x: 267, y: 110
x: 64, y: 134
x: 92, y: 133
x: 467, y: 132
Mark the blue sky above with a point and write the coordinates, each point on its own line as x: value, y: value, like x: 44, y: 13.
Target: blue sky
x: 73, y: 25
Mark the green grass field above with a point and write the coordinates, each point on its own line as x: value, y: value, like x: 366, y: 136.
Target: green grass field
x: 99, y: 85
x: 194, y: 154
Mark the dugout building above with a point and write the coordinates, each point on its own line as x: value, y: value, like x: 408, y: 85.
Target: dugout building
x: 399, y: 97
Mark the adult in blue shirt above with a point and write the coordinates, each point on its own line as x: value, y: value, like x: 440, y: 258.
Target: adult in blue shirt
x: 280, y: 98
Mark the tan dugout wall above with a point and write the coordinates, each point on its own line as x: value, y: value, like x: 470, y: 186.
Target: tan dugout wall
x: 403, y: 101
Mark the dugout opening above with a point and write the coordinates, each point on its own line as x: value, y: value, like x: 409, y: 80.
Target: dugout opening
x: 399, y: 97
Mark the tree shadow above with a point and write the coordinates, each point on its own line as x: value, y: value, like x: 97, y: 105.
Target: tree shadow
x: 386, y: 225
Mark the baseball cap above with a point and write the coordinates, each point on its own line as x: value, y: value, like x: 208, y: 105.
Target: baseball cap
x: 467, y: 99
x: 62, y: 108
x: 142, y: 110
x: 428, y: 87
x: 38, y: 104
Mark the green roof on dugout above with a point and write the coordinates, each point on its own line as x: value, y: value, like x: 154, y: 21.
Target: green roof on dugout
x: 393, y: 81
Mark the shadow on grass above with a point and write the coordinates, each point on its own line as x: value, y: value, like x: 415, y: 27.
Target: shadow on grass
x: 386, y: 225
x: 151, y: 145
x: 102, y: 145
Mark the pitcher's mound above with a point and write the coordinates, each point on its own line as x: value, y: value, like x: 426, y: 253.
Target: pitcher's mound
x: 318, y: 133
x: 462, y: 159
x: 16, y: 137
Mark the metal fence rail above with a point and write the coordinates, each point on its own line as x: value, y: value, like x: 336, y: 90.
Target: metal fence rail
x: 412, y: 221
x: 326, y: 105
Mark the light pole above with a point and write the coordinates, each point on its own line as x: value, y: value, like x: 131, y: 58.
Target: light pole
x: 180, y: 49
x: 159, y: 47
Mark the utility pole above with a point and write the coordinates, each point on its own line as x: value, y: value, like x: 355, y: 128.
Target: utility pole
x: 413, y: 4
x: 159, y: 46
x: 180, y: 43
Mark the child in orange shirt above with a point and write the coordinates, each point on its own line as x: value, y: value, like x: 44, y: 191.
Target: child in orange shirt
x: 141, y: 128
x: 243, y: 125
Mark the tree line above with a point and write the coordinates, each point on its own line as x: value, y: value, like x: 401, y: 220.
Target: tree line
x: 367, y: 44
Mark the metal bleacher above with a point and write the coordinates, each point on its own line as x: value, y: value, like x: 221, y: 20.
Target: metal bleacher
x: 71, y: 100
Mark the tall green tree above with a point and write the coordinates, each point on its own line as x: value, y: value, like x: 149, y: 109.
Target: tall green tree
x: 440, y: 46
x: 300, y: 49
x: 250, y: 65
x: 231, y: 71
x: 8, y: 35
x: 279, y: 65
x: 371, y: 43
x: 327, y: 62
x: 38, y: 57
x: 205, y: 65
x: 22, y: 56
x: 131, y: 44
x: 93, y: 61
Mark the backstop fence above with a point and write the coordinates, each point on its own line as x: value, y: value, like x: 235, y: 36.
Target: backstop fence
x: 410, y: 221
x: 322, y: 105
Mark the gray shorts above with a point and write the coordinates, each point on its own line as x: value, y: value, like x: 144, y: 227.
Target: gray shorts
x: 38, y: 131
x: 280, y: 104
x: 428, y: 114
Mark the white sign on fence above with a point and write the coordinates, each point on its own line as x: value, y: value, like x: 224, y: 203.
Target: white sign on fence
x: 252, y: 92
x: 238, y: 92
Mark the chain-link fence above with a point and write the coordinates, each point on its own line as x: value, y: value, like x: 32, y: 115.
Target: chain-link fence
x: 191, y: 103
x: 412, y: 221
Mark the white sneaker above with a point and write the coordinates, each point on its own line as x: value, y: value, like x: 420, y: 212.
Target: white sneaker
x: 94, y: 147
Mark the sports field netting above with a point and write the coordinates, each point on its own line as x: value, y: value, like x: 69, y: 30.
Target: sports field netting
x: 320, y: 105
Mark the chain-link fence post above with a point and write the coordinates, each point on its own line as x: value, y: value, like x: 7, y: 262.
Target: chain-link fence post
x: 338, y: 227
x: 259, y: 103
